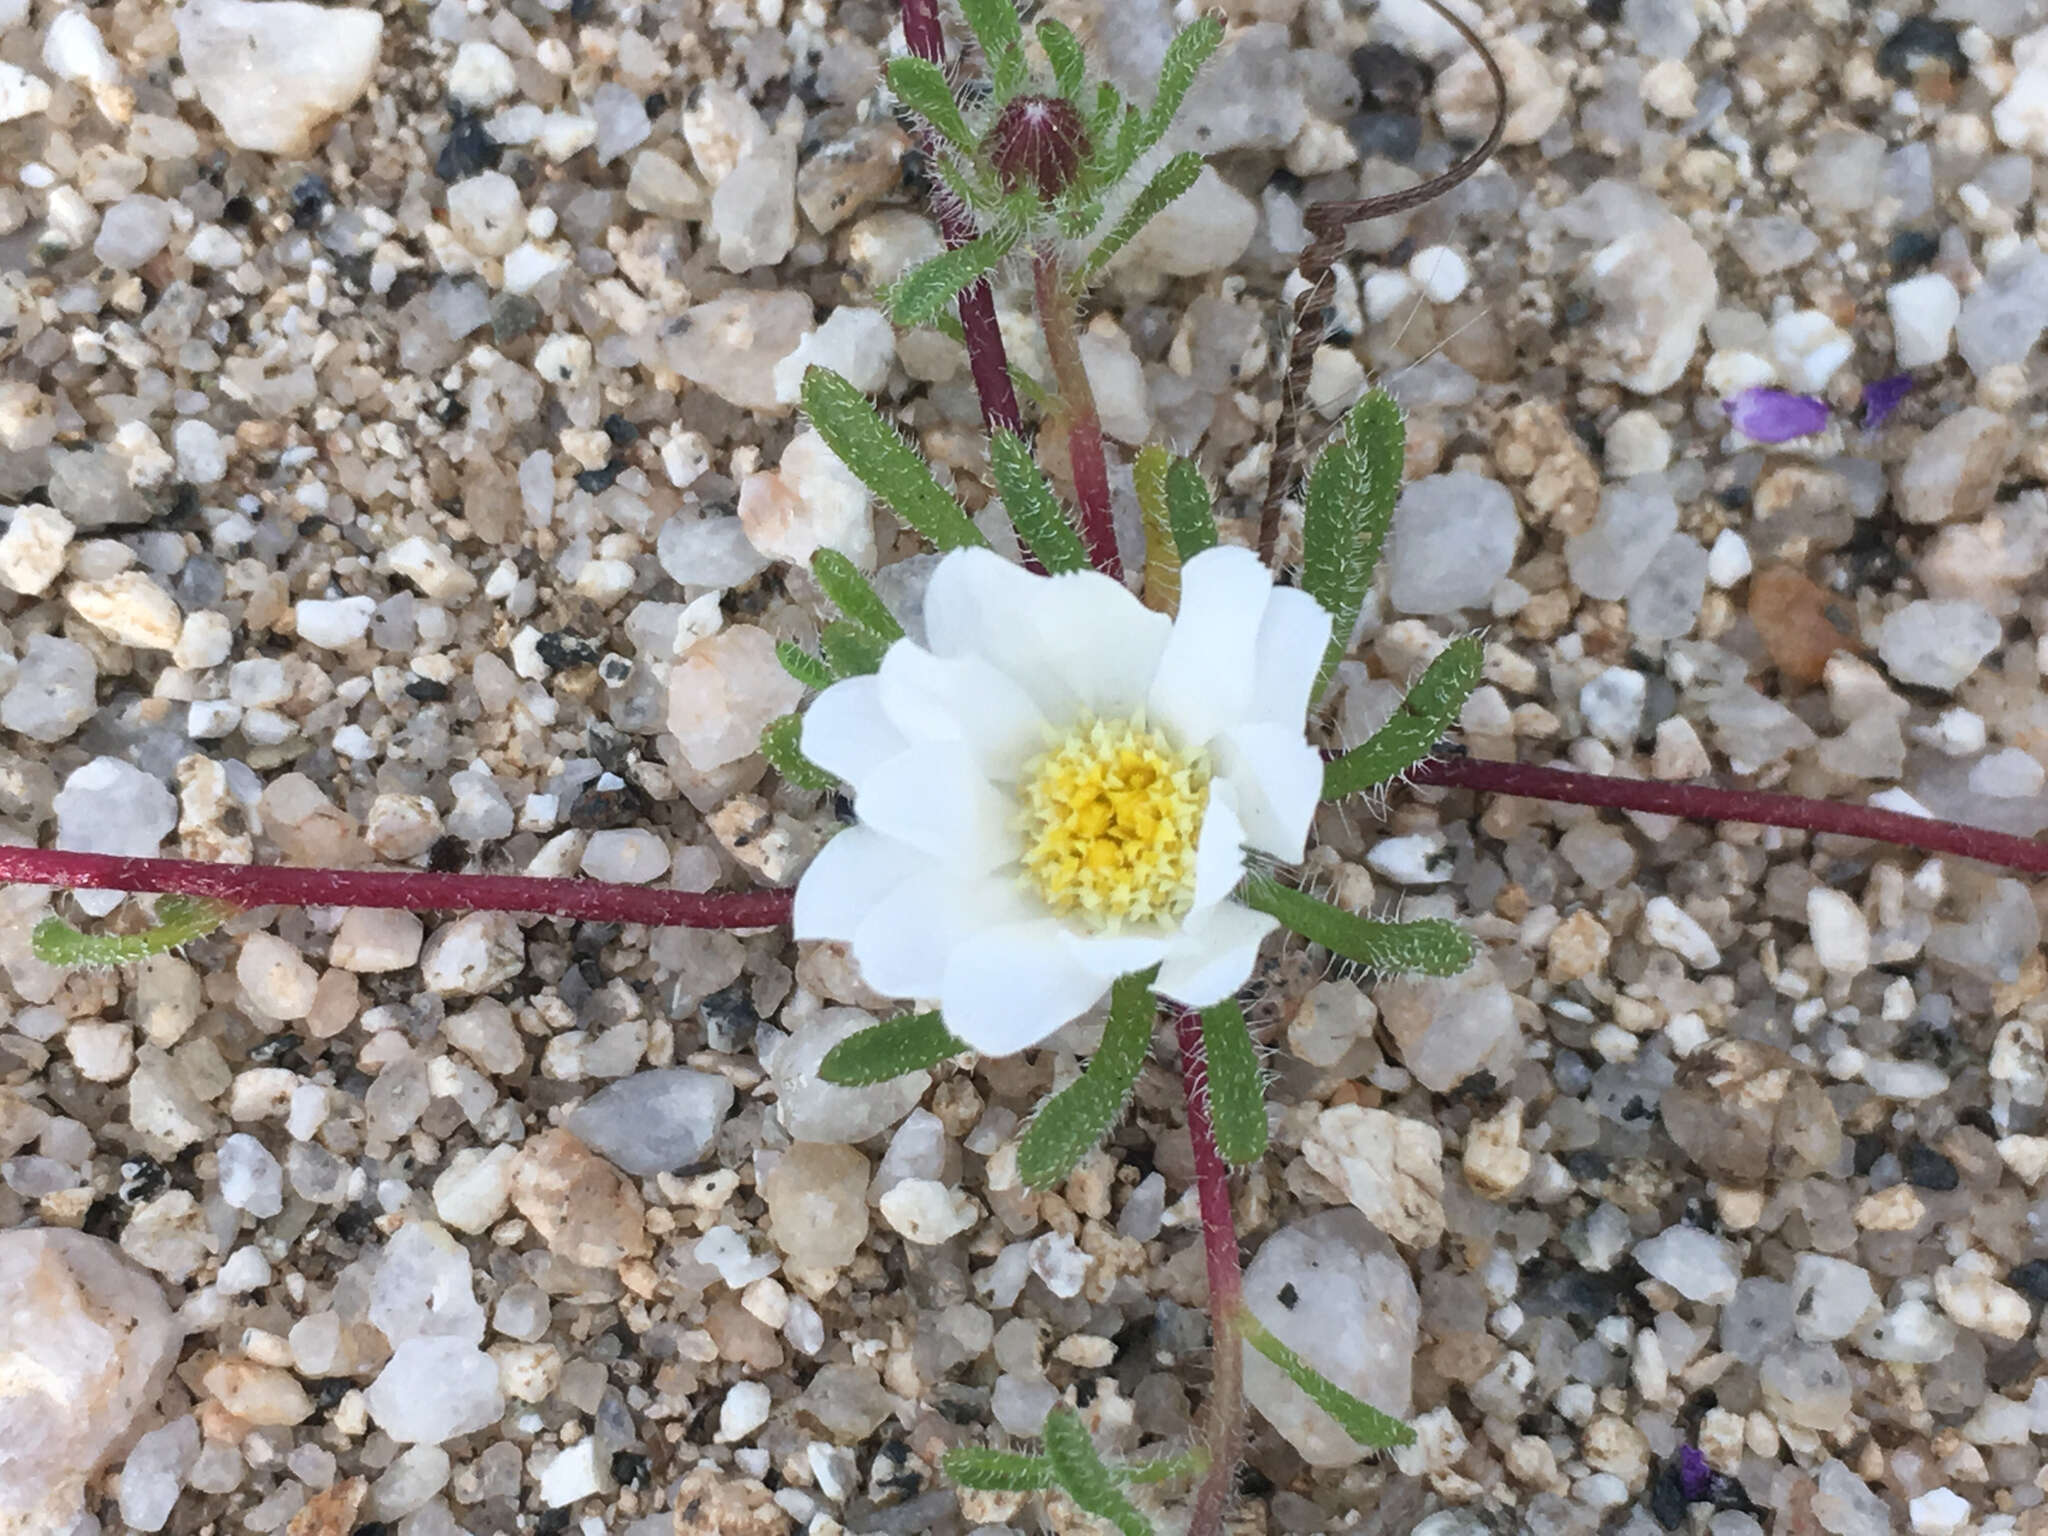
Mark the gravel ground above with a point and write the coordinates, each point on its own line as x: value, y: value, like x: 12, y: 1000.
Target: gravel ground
x: 400, y: 468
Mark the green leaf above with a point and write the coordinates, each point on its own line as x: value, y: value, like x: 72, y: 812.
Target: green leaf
x: 975, y: 1466
x: 1078, y: 214
x: 802, y: 665
x: 1187, y: 509
x: 1080, y: 1473
x: 909, y: 1042
x: 1434, y: 946
x: 1063, y: 53
x: 1431, y: 708
x: 852, y: 650
x: 1164, y: 1469
x: 780, y: 740
x: 994, y: 25
x: 918, y: 297
x: 1347, y: 508
x: 883, y: 462
x: 179, y: 920
x: 1008, y: 73
x: 840, y: 580
x: 1361, y: 1421
x: 1034, y: 510
x: 1082, y: 1113
x: 922, y: 87
x: 1100, y: 120
x: 1161, y: 588
x: 1185, y: 56
x: 1167, y: 183
x: 1237, y: 1099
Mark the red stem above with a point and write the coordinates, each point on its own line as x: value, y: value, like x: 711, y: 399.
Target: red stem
x: 987, y: 359
x: 1699, y: 802
x: 1077, y: 405
x: 1223, y: 1414
x: 261, y: 885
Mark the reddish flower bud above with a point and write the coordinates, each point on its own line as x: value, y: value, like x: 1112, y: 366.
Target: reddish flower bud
x: 1038, y: 140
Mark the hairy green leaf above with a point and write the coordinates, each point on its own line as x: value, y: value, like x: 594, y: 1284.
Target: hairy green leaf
x: 1082, y: 1113
x: 1187, y: 509
x: 1078, y: 214
x: 1161, y: 588
x: 1433, y: 946
x: 1164, y: 1469
x: 840, y: 580
x: 1008, y: 73
x: 975, y: 1466
x: 1346, y: 511
x: 883, y: 462
x: 1361, y: 1421
x: 921, y: 294
x: 802, y: 665
x: 1237, y: 1099
x: 922, y: 87
x: 1101, y: 119
x: 1063, y: 52
x: 780, y: 740
x: 179, y: 920
x: 1167, y: 183
x: 1080, y: 1473
x: 1034, y: 510
x: 994, y: 24
x: 1185, y: 56
x: 1431, y: 708
x: 852, y: 650
x: 909, y: 1042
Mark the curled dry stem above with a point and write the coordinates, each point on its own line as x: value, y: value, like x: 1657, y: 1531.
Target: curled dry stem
x: 1328, y: 225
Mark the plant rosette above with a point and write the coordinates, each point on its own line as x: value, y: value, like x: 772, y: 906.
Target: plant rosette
x: 1061, y: 787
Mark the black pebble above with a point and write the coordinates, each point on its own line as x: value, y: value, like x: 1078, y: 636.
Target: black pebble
x: 1927, y: 1169
x: 1912, y: 249
x: 596, y: 480
x: 630, y: 1469
x: 310, y: 198
x: 563, y: 651
x: 1919, y: 40
x: 2030, y: 1279
x: 1668, y: 1502
x: 426, y: 690
x: 469, y: 149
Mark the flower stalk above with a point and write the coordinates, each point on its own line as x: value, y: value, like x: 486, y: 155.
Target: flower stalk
x: 1077, y: 413
x: 987, y: 359
x: 1223, y: 1413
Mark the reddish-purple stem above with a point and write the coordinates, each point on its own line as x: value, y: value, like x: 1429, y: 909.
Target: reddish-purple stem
x: 1699, y: 802
x: 1085, y: 454
x: 1223, y: 1414
x: 987, y: 359
x: 266, y: 885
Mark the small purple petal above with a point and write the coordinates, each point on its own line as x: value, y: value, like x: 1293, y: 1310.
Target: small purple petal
x: 1881, y: 398
x: 1775, y: 415
x: 1694, y: 1475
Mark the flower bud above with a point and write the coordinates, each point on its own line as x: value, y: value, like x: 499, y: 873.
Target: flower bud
x: 1038, y: 140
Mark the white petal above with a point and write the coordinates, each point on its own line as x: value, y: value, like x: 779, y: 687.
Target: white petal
x: 1076, y: 642
x: 963, y: 699
x: 1287, y: 655
x: 1204, y: 682
x: 1277, y: 778
x: 1214, y: 955
x: 846, y: 733
x: 903, y: 939
x: 1093, y: 645
x: 1219, y: 852
x: 852, y: 872
x: 1007, y: 988
x: 1112, y: 955
x: 934, y: 798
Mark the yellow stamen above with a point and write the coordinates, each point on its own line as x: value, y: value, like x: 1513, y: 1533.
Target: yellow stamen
x: 1111, y: 815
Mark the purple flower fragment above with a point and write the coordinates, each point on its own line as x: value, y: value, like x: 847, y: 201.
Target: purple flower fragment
x: 1695, y: 1477
x: 1882, y: 397
x: 1775, y: 415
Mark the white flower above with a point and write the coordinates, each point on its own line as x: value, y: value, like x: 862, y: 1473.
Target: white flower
x: 1059, y: 788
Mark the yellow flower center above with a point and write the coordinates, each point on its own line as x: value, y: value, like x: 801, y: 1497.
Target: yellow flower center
x: 1111, y: 814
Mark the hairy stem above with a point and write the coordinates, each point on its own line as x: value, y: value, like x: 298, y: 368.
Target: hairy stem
x: 1223, y: 1414
x: 1700, y: 802
x: 1328, y: 225
x: 987, y: 359
x: 1077, y: 409
x: 260, y: 885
